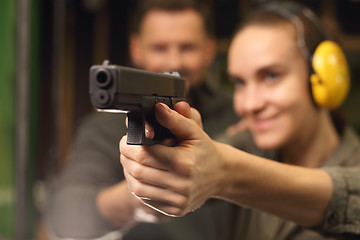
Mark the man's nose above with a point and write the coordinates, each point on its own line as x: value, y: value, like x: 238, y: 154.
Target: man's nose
x: 174, y: 60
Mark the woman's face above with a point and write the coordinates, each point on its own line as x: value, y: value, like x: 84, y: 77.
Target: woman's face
x: 270, y: 77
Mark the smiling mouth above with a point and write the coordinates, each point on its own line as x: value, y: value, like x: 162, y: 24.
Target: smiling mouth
x: 260, y: 125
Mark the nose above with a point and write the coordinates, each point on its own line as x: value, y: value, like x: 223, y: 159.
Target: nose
x: 251, y: 100
x: 174, y: 60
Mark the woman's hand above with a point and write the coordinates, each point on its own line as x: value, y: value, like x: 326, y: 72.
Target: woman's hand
x: 178, y: 179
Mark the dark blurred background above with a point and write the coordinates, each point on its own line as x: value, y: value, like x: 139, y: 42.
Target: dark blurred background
x: 46, y: 50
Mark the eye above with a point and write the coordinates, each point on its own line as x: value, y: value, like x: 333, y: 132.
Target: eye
x: 188, y: 47
x: 238, y: 82
x: 158, y: 48
x: 272, y: 77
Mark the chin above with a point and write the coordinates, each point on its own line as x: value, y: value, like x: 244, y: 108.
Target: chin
x: 267, y: 142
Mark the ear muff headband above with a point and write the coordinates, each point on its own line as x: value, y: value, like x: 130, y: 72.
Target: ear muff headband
x: 330, y: 81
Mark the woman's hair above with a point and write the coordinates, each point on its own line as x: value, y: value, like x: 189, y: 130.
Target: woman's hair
x: 309, y: 32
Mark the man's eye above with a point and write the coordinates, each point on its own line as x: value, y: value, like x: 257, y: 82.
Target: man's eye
x: 188, y: 47
x: 158, y: 48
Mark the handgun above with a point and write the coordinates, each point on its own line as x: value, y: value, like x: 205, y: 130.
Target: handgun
x: 120, y: 89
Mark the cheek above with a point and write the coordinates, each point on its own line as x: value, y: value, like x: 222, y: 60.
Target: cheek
x: 291, y: 97
x: 199, y: 57
x: 153, y: 63
x: 294, y: 112
x: 193, y: 61
x: 195, y: 66
x: 290, y: 105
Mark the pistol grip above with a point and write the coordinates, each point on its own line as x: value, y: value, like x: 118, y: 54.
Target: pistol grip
x: 136, y: 129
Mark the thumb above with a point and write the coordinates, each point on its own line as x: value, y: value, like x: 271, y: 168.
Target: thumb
x: 179, y: 125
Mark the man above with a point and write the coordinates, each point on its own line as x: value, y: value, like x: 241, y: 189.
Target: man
x: 178, y: 36
x: 91, y: 198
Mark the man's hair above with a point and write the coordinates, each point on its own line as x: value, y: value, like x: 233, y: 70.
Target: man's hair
x: 203, y: 7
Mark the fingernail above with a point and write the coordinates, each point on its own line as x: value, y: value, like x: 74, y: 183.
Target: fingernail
x: 149, y: 132
x: 166, y: 107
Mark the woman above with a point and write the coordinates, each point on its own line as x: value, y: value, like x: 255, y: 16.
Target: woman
x: 309, y: 190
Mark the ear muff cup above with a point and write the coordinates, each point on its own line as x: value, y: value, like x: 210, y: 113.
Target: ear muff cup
x: 330, y: 81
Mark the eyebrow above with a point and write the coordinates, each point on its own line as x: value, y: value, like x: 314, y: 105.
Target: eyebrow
x: 263, y: 70
x: 269, y: 68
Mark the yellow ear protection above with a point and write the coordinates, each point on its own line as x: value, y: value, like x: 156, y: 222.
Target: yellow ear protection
x: 330, y: 81
x: 330, y: 77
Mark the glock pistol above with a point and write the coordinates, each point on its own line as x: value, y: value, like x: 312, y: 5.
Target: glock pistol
x: 135, y: 92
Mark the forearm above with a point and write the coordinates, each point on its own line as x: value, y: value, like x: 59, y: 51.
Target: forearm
x: 115, y: 204
x: 294, y: 193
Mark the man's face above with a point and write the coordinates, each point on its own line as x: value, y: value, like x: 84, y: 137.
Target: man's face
x: 271, y: 85
x: 173, y: 42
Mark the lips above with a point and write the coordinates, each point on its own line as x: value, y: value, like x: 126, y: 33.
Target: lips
x: 263, y: 124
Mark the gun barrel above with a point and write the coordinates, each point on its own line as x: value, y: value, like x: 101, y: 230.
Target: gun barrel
x: 114, y: 87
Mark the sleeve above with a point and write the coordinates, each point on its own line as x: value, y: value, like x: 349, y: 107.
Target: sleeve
x: 94, y: 165
x: 343, y: 213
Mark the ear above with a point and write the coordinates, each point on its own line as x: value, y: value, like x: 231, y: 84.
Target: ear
x: 135, y: 49
x: 210, y: 50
